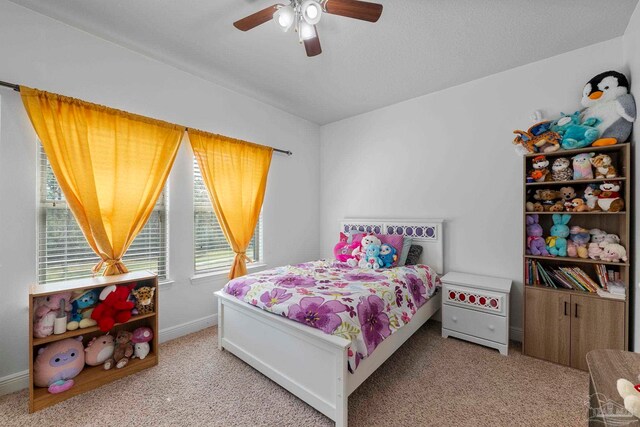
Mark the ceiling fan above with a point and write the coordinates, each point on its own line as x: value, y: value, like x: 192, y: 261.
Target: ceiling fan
x: 303, y: 15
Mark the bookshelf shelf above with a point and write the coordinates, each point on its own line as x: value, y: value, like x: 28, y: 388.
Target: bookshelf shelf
x: 562, y: 325
x: 571, y: 260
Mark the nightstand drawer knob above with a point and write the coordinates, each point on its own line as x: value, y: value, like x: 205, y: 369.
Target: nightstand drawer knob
x: 454, y: 318
x: 492, y: 328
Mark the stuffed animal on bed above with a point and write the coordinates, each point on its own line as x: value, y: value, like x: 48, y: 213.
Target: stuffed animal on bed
x: 343, y: 250
x: 372, y: 257
x: 388, y: 255
x: 359, y: 253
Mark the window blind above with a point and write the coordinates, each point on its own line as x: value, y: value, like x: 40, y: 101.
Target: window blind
x: 211, y: 249
x: 63, y: 252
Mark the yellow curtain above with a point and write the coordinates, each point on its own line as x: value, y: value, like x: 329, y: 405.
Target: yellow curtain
x: 235, y: 173
x: 111, y: 166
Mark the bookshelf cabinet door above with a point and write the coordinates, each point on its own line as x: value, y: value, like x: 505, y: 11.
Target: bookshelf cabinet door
x: 547, y: 325
x: 596, y: 323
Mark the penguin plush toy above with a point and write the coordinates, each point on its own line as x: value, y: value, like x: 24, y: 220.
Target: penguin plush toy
x: 607, y: 97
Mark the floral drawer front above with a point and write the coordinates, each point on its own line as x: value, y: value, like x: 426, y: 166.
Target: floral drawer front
x: 473, y: 298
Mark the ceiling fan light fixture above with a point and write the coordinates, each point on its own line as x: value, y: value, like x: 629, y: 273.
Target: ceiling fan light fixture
x: 307, y: 31
x: 311, y: 11
x: 284, y: 17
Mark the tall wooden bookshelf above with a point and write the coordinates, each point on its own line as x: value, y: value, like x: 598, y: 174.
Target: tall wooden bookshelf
x: 562, y: 325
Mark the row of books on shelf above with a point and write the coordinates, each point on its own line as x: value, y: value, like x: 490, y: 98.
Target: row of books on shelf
x: 608, y: 285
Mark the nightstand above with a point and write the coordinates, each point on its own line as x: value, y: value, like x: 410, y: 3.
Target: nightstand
x: 476, y: 309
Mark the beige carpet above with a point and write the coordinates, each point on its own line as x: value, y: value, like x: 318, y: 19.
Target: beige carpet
x: 430, y: 381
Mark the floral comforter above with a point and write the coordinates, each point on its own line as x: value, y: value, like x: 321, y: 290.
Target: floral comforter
x: 364, y: 306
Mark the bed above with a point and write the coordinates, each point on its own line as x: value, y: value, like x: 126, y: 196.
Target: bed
x: 326, y: 368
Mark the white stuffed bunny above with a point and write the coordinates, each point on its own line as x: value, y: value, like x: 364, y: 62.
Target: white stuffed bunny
x: 630, y: 395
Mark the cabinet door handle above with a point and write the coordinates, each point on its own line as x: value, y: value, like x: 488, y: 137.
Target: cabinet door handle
x: 576, y: 312
x: 491, y: 328
x: 565, y: 307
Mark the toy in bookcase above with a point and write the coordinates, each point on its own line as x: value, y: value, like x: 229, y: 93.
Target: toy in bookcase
x: 99, y: 350
x: 574, y: 132
x: 557, y: 242
x: 58, y: 363
x: 561, y: 169
x: 143, y: 299
x: 567, y: 194
x: 122, y: 352
x: 597, y: 236
x: 577, y: 205
x: 604, y: 167
x: 609, y: 199
x: 44, y: 313
x: 535, y: 242
x: 614, y: 252
x: 540, y: 172
x: 114, y: 306
x: 82, y: 304
x: 591, y: 193
x: 550, y: 200
x: 582, y: 166
x: 606, y: 97
x: 578, y: 239
x: 538, y: 139
x: 140, y: 339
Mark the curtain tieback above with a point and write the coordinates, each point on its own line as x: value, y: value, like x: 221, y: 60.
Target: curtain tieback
x: 110, y: 264
x: 244, y: 256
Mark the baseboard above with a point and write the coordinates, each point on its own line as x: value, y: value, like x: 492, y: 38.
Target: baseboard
x: 515, y: 334
x: 186, y: 328
x: 20, y: 380
x: 14, y: 382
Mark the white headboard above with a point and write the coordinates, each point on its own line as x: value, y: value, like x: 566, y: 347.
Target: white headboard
x: 424, y: 232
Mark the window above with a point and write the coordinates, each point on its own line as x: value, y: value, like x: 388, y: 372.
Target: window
x: 63, y: 252
x: 211, y: 249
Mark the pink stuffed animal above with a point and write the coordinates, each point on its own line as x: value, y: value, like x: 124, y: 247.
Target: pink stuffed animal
x: 359, y: 253
x: 57, y: 363
x: 343, y: 251
x: 614, y: 252
x: 45, y: 312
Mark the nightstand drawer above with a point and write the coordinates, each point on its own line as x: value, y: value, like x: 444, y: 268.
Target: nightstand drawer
x: 475, y: 323
x: 476, y: 299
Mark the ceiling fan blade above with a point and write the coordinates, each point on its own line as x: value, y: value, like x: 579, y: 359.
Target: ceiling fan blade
x: 312, y: 46
x: 258, y: 18
x: 362, y: 10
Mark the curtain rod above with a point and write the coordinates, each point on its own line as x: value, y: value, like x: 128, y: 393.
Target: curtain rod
x: 17, y: 89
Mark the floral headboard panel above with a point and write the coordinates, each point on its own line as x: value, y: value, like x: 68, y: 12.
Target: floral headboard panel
x: 427, y: 233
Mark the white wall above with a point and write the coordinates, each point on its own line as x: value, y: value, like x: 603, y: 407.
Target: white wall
x: 43, y: 53
x: 631, y: 46
x: 449, y: 155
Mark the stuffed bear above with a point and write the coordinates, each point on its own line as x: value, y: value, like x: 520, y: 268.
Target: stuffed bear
x: 609, y: 198
x: 535, y: 242
x: 114, y: 306
x: 45, y: 311
x: 631, y: 396
x: 57, y: 363
x: 557, y: 242
x: 561, y: 170
x: 574, y: 133
x: 359, y: 253
x: 372, y: 257
x: 582, y: 166
x: 122, y: 352
x: 578, y: 240
x: 82, y: 304
x: 607, y: 98
x: 548, y: 199
x: 99, y: 350
x: 604, y: 167
x: 577, y: 205
x: 388, y: 255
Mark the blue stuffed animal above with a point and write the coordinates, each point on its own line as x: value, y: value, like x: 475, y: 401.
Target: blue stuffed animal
x: 81, y: 307
x: 574, y: 133
x: 372, y: 257
x: 557, y: 242
x: 388, y: 255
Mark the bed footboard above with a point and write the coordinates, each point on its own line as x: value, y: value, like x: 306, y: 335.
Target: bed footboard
x: 316, y: 371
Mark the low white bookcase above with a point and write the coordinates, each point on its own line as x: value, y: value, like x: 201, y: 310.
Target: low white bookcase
x: 476, y: 309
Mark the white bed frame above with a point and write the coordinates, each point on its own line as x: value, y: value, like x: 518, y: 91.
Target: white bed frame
x: 307, y: 362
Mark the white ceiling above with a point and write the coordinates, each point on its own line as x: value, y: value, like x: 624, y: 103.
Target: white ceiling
x: 417, y: 47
